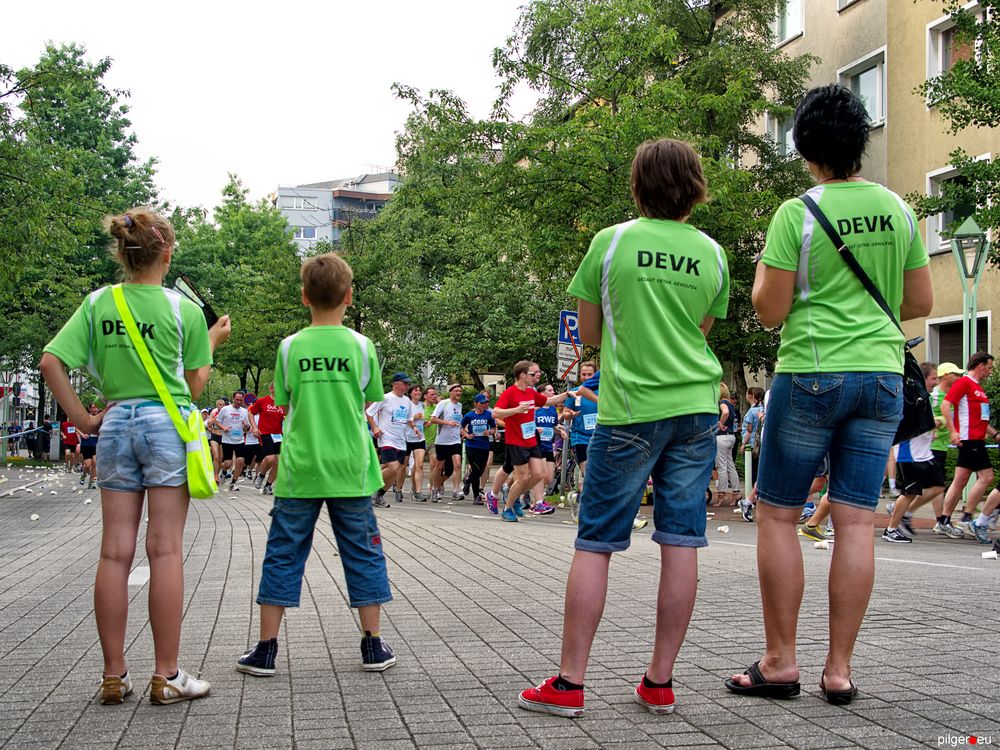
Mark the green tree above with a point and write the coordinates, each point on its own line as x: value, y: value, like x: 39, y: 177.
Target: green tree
x: 968, y: 96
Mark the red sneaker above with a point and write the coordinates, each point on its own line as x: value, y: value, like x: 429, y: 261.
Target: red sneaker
x: 656, y: 700
x: 548, y: 700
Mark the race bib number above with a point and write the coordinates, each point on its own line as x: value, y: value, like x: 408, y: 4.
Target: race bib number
x: 528, y: 429
x: 547, y: 434
x: 589, y: 422
x: 984, y: 410
x: 72, y: 430
x: 479, y: 428
x: 236, y: 433
x: 401, y: 415
x: 276, y: 438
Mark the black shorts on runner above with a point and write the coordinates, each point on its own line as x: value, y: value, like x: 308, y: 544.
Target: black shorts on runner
x: 445, y: 452
x: 518, y: 455
x: 234, y: 449
x: 410, y: 447
x: 549, y: 456
x: 390, y: 455
x: 972, y: 455
x: 63, y: 448
x: 941, y: 457
x: 215, y: 438
x: 918, y: 476
x: 580, y: 451
x: 248, y: 452
x: 88, y: 451
x: 269, y: 446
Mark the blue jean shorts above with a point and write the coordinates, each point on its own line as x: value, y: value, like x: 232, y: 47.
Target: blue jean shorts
x: 678, y: 453
x: 359, y: 542
x: 139, y: 447
x: 853, y: 416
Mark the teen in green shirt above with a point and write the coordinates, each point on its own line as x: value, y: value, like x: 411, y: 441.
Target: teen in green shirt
x: 324, y: 374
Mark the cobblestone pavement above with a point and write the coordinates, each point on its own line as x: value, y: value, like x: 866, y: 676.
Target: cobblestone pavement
x: 476, y: 618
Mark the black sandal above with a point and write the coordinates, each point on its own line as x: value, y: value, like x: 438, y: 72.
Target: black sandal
x: 837, y: 697
x: 761, y: 686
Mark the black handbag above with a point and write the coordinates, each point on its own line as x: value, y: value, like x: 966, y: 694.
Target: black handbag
x: 918, y: 416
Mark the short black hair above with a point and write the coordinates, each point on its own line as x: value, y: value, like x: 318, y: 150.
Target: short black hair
x: 979, y: 358
x: 831, y: 129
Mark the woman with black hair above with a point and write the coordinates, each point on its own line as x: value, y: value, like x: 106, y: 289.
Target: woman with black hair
x: 838, y: 384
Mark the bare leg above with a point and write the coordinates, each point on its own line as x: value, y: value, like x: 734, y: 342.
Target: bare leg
x: 779, y: 568
x: 524, y: 479
x: 852, y: 574
x: 954, y: 493
x: 168, y: 508
x: 498, y: 481
x: 984, y: 479
x: 369, y: 616
x: 121, y: 513
x: 674, y: 604
x: 456, y: 472
x: 586, y: 589
x: 270, y: 621
x: 822, y: 511
x: 417, y: 476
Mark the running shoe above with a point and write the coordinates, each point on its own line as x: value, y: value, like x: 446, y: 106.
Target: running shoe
x: 966, y: 528
x: 456, y: 495
x: 115, y: 689
x: 639, y: 523
x: 947, y: 530
x: 746, y: 510
x: 379, y: 501
x: 893, y: 535
x: 82, y: 478
x: 466, y: 488
x: 491, y: 502
x: 906, y: 526
x: 518, y: 510
x: 90, y: 483
x: 509, y: 515
x: 807, y: 512
x: 504, y: 492
x: 656, y: 700
x: 982, y: 533
x: 376, y: 656
x: 889, y: 507
x: 397, y: 495
x: 480, y: 499
x: 548, y: 699
x: 259, y: 661
x: 542, y: 508
x: 893, y: 492
x: 233, y: 487
x: 436, y: 496
x: 812, y: 532
x: 258, y: 482
x: 268, y: 490
x: 418, y: 497
x: 183, y: 687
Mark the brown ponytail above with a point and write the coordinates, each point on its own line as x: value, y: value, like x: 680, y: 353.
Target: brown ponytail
x: 140, y: 236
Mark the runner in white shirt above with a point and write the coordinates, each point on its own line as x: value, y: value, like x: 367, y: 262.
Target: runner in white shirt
x: 234, y: 422
x: 448, y: 444
x: 389, y: 419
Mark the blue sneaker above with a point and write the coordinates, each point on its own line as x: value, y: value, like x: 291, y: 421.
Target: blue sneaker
x: 491, y: 503
x: 982, y: 533
x: 518, y: 510
x: 807, y: 512
x: 259, y: 661
x: 508, y: 515
x: 376, y: 656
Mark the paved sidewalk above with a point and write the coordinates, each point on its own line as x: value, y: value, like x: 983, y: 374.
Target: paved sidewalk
x: 476, y: 618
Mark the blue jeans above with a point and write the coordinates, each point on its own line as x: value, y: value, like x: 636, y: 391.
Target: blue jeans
x: 289, y: 541
x: 678, y: 453
x: 139, y: 447
x: 853, y: 416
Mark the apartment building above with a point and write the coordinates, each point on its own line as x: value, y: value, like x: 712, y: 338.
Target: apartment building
x: 883, y: 50
x: 319, y: 210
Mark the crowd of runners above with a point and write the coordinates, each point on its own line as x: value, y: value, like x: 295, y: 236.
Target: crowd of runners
x: 649, y: 291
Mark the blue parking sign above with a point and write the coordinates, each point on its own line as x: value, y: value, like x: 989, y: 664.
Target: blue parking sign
x: 569, y: 329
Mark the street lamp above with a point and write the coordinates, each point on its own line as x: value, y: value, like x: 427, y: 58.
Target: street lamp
x: 970, y: 247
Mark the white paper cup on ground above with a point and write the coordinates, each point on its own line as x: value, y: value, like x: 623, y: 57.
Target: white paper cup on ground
x: 723, y: 529
x: 991, y: 555
x: 822, y: 545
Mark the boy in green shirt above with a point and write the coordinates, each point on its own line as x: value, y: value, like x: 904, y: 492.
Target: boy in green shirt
x: 324, y: 373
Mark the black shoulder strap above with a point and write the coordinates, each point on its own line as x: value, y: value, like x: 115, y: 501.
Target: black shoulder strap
x: 848, y: 257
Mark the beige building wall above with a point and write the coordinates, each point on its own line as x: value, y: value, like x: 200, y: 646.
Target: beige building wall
x: 919, y: 147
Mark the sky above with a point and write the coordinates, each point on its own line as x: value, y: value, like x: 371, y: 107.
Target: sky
x: 279, y: 93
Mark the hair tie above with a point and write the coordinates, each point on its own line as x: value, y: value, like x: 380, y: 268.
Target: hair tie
x: 128, y: 221
x: 158, y: 235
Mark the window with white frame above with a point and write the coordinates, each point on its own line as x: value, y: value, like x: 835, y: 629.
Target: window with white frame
x: 305, y: 233
x: 939, y: 225
x: 788, y: 23
x: 944, y: 337
x: 866, y: 77
x: 780, y: 131
x: 297, y: 203
x: 943, y: 48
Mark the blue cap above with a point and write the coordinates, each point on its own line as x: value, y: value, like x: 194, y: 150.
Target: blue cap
x: 400, y: 377
x: 480, y: 398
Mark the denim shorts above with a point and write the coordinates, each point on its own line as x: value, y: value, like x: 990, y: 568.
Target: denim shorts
x: 853, y: 416
x: 678, y: 453
x: 289, y: 541
x: 139, y: 447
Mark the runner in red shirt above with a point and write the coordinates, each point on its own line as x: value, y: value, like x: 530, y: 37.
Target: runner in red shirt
x: 966, y: 410
x: 516, y: 407
x: 70, y: 444
x: 265, y: 422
